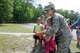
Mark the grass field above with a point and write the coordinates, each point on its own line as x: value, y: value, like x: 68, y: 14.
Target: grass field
x: 13, y: 28
x: 74, y: 47
x: 22, y: 44
x: 14, y: 44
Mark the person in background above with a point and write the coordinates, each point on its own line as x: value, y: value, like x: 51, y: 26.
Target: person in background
x: 42, y: 19
x: 37, y: 28
x: 78, y: 35
x: 76, y: 25
x: 69, y: 22
x: 44, y: 27
x: 69, y: 25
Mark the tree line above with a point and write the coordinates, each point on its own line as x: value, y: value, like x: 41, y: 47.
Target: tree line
x: 24, y: 11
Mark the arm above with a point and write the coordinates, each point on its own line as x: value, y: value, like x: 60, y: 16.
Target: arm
x: 54, y: 27
x: 75, y: 24
x: 77, y: 27
x: 42, y: 28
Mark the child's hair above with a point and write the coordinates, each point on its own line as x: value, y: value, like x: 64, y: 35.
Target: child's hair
x: 50, y: 21
x: 69, y: 21
x: 39, y: 18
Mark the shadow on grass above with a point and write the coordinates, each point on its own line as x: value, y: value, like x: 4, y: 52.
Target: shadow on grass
x: 77, y: 52
x: 2, y: 25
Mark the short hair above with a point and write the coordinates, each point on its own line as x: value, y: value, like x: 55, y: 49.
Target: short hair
x: 50, y: 21
x: 39, y: 18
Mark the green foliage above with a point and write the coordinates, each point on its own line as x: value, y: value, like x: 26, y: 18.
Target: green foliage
x: 23, y: 11
x: 18, y: 11
x: 69, y: 14
x: 38, y: 12
x: 6, y: 9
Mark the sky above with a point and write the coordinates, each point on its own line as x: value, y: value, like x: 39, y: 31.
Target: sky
x: 62, y: 4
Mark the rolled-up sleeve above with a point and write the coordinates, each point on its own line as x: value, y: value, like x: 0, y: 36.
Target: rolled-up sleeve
x: 54, y: 27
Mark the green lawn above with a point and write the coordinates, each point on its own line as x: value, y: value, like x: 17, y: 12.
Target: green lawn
x: 13, y: 28
x: 74, y: 47
x: 12, y: 44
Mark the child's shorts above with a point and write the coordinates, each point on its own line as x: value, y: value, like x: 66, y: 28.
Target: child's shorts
x: 78, y: 32
x: 36, y: 37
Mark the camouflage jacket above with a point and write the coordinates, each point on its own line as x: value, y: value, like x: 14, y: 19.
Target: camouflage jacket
x: 59, y: 27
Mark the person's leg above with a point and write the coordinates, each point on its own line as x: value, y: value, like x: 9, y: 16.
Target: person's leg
x: 69, y: 51
x: 62, y: 48
x: 35, y: 42
x: 40, y: 43
x: 46, y: 47
x: 63, y: 45
x: 38, y: 49
x: 79, y: 40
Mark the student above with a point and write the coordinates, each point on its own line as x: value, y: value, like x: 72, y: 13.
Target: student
x: 37, y: 28
x: 69, y: 26
x: 50, y: 45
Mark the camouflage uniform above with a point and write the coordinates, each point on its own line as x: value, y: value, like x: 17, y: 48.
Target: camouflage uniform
x: 63, y: 32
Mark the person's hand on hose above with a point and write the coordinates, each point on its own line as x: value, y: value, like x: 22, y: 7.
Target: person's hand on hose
x: 40, y: 33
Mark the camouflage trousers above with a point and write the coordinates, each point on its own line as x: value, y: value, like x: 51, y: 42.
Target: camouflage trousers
x: 63, y: 45
x: 38, y: 49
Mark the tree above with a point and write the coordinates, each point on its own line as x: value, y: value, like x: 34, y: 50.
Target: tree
x: 38, y: 12
x: 69, y: 14
x: 74, y: 15
x: 17, y: 11
x: 22, y: 11
x: 6, y: 9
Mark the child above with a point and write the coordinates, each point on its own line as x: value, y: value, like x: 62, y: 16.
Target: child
x: 69, y: 26
x: 37, y: 28
x: 50, y: 45
x: 44, y: 27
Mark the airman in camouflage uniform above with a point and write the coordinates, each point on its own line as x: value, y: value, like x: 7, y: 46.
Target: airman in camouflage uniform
x: 60, y: 28
x: 62, y: 31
